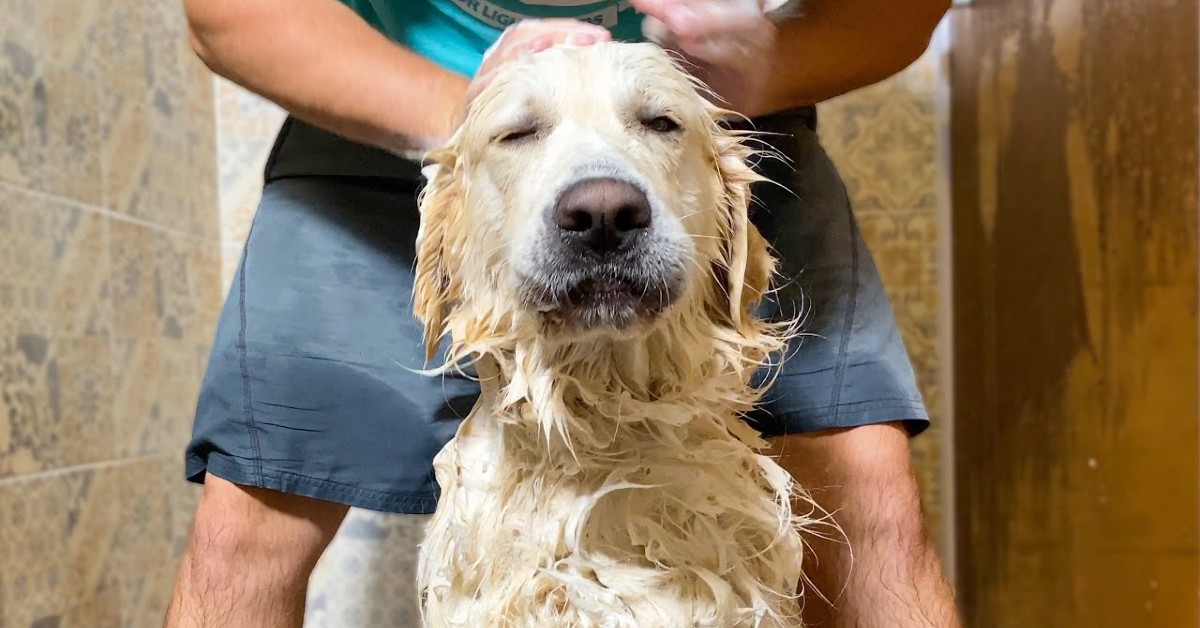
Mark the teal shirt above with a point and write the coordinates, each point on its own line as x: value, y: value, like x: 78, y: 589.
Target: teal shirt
x: 455, y: 33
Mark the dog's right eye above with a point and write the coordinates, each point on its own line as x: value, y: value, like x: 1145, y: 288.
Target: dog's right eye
x: 661, y: 124
x: 517, y: 135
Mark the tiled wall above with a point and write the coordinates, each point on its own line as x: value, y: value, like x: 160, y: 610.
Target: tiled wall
x: 109, y: 284
x: 885, y: 142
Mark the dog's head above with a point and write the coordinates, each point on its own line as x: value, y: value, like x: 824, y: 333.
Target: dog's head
x: 589, y: 191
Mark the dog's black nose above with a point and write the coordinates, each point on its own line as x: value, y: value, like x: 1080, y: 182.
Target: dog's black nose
x: 602, y: 214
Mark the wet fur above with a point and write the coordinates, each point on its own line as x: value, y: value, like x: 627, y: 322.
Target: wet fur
x: 607, y: 479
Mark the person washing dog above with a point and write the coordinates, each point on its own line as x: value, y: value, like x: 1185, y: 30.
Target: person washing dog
x: 310, y: 405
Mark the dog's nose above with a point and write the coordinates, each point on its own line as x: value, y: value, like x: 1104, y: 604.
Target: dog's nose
x: 602, y: 214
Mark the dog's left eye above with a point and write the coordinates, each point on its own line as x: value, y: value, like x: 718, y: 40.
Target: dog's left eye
x: 517, y: 135
x: 661, y: 124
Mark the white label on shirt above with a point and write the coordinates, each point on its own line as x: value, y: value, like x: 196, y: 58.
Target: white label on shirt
x: 501, y: 17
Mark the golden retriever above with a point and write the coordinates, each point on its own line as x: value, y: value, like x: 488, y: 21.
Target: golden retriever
x: 585, y: 244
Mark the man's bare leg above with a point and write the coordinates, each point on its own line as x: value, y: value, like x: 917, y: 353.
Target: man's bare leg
x: 250, y: 558
x: 863, y: 475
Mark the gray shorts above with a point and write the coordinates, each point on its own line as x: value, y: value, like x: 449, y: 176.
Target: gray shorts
x: 307, y: 392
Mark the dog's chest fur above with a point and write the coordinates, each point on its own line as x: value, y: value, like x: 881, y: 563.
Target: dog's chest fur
x: 562, y: 506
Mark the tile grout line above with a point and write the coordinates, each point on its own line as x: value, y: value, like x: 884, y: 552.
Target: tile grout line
x: 107, y: 213
x: 91, y: 466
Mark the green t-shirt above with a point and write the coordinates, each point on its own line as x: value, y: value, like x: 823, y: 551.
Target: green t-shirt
x: 455, y: 33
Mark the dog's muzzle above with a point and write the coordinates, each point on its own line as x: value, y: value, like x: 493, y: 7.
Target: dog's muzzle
x: 602, y: 268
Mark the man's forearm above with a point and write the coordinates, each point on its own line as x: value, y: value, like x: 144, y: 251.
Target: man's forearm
x: 837, y: 46
x: 326, y: 65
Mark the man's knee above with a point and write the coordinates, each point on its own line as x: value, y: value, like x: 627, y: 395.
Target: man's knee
x: 250, y: 542
x: 264, y: 522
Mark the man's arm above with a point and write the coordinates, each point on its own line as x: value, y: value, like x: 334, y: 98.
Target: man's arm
x: 322, y: 62
x: 832, y: 47
x: 888, y: 575
x: 837, y: 46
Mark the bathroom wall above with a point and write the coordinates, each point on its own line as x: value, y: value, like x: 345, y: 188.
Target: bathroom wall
x: 109, y: 284
x: 1076, y: 256
x: 886, y: 141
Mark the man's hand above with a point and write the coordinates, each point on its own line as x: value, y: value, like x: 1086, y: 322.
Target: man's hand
x: 724, y: 42
x: 527, y: 37
x: 758, y: 67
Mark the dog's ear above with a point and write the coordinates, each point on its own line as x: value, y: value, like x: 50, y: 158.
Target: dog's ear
x: 441, y: 205
x: 747, y: 267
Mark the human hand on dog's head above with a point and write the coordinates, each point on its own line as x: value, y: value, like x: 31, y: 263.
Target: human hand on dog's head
x: 732, y: 34
x: 527, y: 37
x: 724, y: 43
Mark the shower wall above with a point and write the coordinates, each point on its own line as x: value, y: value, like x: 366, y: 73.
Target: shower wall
x: 109, y: 285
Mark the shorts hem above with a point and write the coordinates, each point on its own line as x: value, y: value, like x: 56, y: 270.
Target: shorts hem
x: 912, y: 414
x: 259, y: 476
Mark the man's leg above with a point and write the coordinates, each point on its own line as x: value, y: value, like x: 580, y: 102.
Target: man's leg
x: 251, y: 554
x: 884, y: 572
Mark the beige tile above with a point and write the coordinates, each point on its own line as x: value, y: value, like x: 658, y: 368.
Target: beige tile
x: 155, y: 389
x: 164, y: 285
x: 101, y: 610
x: 56, y: 403
x: 55, y: 536
x: 231, y: 257
x: 904, y: 246
x: 206, y: 289
x: 126, y: 152
x: 159, y: 142
x: 53, y: 267
x: 141, y: 566
x: 49, y: 99
x: 134, y: 253
x: 79, y: 274
x: 883, y: 140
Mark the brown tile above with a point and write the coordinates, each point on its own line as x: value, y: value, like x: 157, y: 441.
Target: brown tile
x: 26, y: 441
x: 156, y: 386
x: 54, y: 535
x: 177, y: 183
